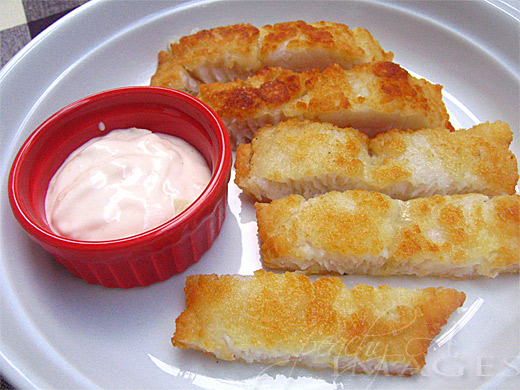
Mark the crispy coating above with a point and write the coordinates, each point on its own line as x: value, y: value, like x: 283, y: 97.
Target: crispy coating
x: 311, y: 158
x: 373, y: 97
x: 286, y: 318
x: 241, y: 50
x: 362, y: 232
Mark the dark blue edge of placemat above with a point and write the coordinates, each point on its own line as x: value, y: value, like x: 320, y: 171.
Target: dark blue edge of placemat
x: 15, y: 38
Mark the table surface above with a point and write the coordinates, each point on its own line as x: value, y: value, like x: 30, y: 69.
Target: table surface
x: 21, y: 21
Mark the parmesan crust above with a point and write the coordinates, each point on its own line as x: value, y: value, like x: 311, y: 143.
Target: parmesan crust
x: 286, y: 319
x: 241, y: 50
x: 311, y: 158
x: 362, y: 232
x: 373, y: 98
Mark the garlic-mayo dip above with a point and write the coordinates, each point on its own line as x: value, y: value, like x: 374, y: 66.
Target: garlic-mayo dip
x: 124, y: 183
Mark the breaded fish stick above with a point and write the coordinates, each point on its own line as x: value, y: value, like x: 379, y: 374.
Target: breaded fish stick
x: 241, y: 50
x: 311, y: 158
x: 286, y: 319
x: 373, y: 97
x: 362, y: 232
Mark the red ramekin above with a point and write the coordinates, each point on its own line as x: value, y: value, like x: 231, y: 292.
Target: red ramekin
x: 156, y: 254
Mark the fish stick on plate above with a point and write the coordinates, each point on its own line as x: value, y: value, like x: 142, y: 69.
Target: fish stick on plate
x: 363, y: 232
x: 286, y: 319
x: 373, y: 98
x: 240, y: 50
x: 311, y: 158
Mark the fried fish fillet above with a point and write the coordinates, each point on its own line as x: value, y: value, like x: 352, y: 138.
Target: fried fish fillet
x: 373, y: 97
x: 286, y: 319
x: 311, y: 158
x: 241, y: 50
x: 362, y: 232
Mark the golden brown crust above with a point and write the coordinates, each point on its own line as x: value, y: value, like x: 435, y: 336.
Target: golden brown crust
x: 356, y: 224
x: 373, y: 97
x: 282, y: 317
x: 310, y: 158
x: 459, y: 236
x: 212, y: 45
x: 470, y: 230
x: 397, y: 86
x: 477, y: 159
x: 242, y: 160
x: 300, y: 35
x: 244, y: 49
x: 348, y: 47
x: 266, y: 91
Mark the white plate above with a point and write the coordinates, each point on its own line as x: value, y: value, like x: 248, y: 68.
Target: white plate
x: 60, y: 332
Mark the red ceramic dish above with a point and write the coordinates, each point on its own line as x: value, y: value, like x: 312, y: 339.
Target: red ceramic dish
x: 148, y: 257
